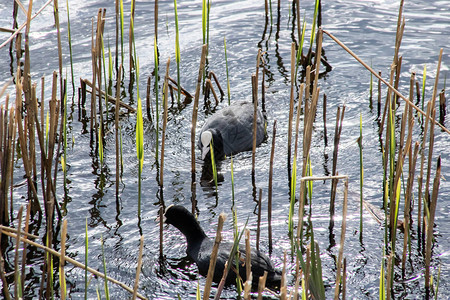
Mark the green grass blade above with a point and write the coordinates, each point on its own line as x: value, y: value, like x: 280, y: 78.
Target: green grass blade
x: 70, y: 45
x: 381, y: 288
x: 155, y: 49
x: 213, y: 163
x: 104, y: 269
x: 177, y: 50
x: 292, y: 198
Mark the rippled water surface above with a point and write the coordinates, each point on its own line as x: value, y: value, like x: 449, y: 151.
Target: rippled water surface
x: 367, y: 27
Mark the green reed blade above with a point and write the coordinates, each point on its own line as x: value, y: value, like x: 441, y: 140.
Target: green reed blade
x: 381, y: 289
x: 204, y: 21
x: 300, y: 48
x: 155, y: 49
x: 292, y: 198
x: 139, y: 138
x: 70, y: 45
x: 423, y: 86
x: 177, y: 50
x: 213, y: 163
x: 313, y: 29
x: 104, y: 269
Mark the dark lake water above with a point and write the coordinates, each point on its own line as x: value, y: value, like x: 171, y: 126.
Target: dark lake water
x: 367, y: 27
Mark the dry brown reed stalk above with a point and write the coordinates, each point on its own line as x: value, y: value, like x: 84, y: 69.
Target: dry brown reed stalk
x: 98, y: 66
x: 297, y: 120
x: 248, y: 258
x: 147, y: 98
x: 442, y: 106
x: 62, y: 260
x: 307, y: 133
x: 183, y: 90
x: 117, y: 9
x: 6, y: 293
x: 406, y: 223
x: 222, y: 282
x: 212, y: 75
x: 298, y: 272
x: 385, y: 82
x: 131, y: 35
x: 325, y: 138
x: 258, y: 228
x: 165, y: 105
x: 261, y: 285
x: 209, y: 87
x: 14, y: 230
x: 58, y: 35
x: 109, y: 98
x: 430, y: 157
x: 23, y: 146
x: 116, y: 123
x: 19, y: 29
x: 389, y: 276
x: 337, y: 137
x: 248, y: 289
x: 258, y: 63
x: 344, y: 279
x: 24, y: 247
x: 138, y: 268
x: 7, y: 126
x: 430, y: 222
x: 156, y: 20
x: 212, y: 262
x: 341, y: 244
x: 291, y: 108
x: 379, y: 94
x: 269, y: 192
x: 161, y: 229
x: 283, y: 286
x: 255, y: 117
x: 307, y: 271
x: 93, y: 119
x: 72, y: 261
x: 420, y: 178
x: 195, y: 109
x: 16, y: 254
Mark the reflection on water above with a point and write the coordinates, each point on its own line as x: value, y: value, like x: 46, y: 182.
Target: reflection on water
x: 368, y: 27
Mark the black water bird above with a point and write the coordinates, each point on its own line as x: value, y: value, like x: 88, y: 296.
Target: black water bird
x: 231, y: 130
x: 199, y: 248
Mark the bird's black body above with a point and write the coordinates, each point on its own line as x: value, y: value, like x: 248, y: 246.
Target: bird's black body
x: 232, y: 129
x: 199, y: 248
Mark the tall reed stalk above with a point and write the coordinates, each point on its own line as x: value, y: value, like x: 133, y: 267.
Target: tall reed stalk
x: 69, y: 37
x: 177, y: 51
x: 139, y: 138
x: 155, y: 55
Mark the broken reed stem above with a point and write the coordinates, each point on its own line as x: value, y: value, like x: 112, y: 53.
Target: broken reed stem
x: 386, y: 83
x: 269, y: 192
x: 248, y: 259
x: 116, y: 122
x: 337, y: 137
x: 258, y: 228
x: 341, y: 244
x: 262, y: 285
x: 307, y: 133
x: 72, y: 261
x: 212, y: 262
x: 138, y: 268
x: 163, y: 139
x: 255, y: 118
x: 24, y: 251
x: 109, y: 97
x: 16, y: 256
x: 430, y: 222
x: 195, y: 109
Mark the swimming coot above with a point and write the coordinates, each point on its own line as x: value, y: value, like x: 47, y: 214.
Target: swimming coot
x: 199, y: 248
x: 231, y: 130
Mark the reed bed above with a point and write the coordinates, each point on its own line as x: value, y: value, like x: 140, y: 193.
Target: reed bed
x: 25, y: 134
